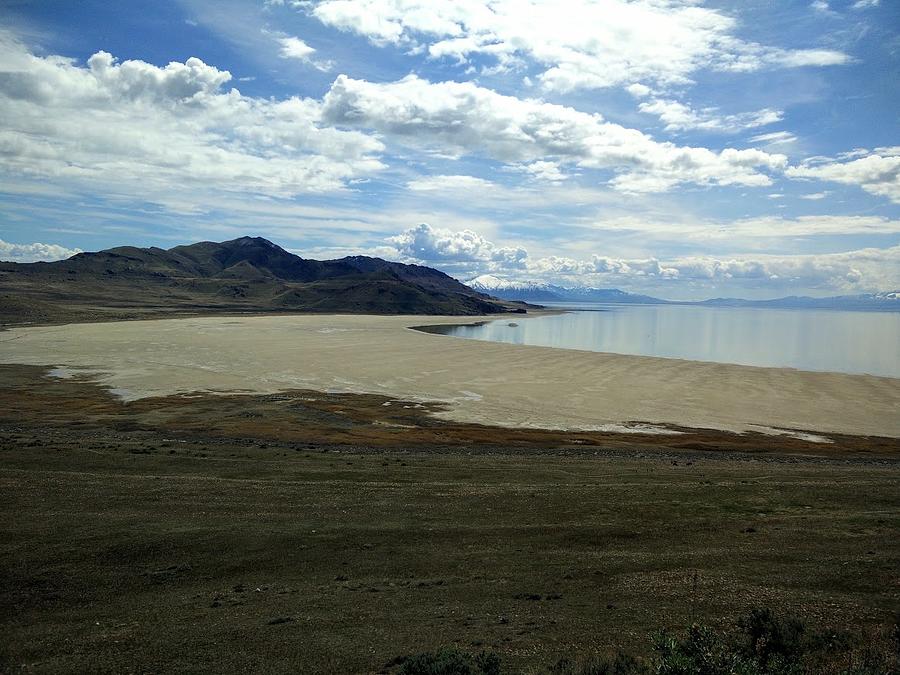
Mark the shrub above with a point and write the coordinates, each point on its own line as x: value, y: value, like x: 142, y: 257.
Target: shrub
x: 701, y: 652
x: 449, y: 661
x: 774, y: 643
x: 621, y: 665
x: 761, y: 643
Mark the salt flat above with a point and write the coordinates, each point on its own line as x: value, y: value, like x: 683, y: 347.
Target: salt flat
x: 481, y: 382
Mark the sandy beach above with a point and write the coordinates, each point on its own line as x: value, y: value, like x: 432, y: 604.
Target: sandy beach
x: 480, y: 382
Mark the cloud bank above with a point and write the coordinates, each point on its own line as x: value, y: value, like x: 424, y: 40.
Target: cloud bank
x: 577, y: 44
x: 462, y: 118
x: 35, y: 252
x: 155, y: 130
x: 467, y: 254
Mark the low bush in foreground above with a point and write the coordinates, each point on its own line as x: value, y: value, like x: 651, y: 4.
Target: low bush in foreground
x: 760, y: 644
x: 450, y: 661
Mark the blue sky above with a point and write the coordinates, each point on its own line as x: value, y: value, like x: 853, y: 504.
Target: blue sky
x: 678, y: 147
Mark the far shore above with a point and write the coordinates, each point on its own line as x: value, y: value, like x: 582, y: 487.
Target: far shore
x: 479, y: 382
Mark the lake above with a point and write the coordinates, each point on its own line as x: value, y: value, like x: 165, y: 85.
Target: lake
x: 826, y: 340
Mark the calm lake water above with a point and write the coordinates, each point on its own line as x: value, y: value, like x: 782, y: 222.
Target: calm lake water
x: 848, y: 342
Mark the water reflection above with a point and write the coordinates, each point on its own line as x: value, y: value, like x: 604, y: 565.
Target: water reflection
x: 850, y: 342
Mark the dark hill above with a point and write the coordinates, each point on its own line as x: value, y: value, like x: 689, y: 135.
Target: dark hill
x: 249, y: 274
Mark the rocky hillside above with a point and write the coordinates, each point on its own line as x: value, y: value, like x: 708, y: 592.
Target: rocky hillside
x: 249, y: 274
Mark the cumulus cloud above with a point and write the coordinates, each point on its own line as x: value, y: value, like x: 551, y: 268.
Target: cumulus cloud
x: 578, y: 43
x: 877, y: 172
x: 438, y: 245
x: 292, y: 47
x: 563, y: 267
x: 639, y: 90
x: 295, y: 48
x: 133, y: 126
x: 682, y: 117
x: 35, y: 252
x: 459, y: 118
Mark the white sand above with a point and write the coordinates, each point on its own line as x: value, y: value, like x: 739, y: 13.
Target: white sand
x: 484, y: 382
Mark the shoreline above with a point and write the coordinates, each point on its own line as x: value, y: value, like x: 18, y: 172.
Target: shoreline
x: 479, y: 382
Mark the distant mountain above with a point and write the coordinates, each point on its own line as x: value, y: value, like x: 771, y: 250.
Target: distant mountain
x: 889, y: 301
x: 246, y: 274
x: 610, y: 295
x: 538, y: 291
x: 528, y: 291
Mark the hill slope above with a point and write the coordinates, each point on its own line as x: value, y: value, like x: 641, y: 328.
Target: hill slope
x: 246, y: 274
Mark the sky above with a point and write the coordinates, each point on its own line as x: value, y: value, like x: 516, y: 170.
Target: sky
x: 682, y: 148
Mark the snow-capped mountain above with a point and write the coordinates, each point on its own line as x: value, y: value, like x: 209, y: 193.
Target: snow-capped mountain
x: 538, y: 291
x: 508, y: 289
x: 490, y: 282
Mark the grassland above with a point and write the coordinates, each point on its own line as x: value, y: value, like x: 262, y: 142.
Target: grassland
x: 136, y: 538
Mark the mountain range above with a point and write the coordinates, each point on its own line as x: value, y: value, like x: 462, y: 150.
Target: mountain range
x: 538, y: 291
x: 251, y: 274
x: 245, y: 274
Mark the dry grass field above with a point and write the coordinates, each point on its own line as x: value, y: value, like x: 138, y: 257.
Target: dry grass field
x: 136, y: 538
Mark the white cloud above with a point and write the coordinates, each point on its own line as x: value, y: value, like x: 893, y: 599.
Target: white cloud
x: 154, y: 132
x: 468, y: 254
x: 758, y: 228
x: 774, y: 138
x: 459, y: 118
x: 437, y: 245
x: 815, y: 196
x: 877, y: 173
x: 848, y: 154
x: 837, y: 272
x: 639, y: 90
x: 547, y: 172
x: 841, y: 272
x: 681, y: 117
x: 579, y: 43
x: 449, y: 184
x: 137, y: 129
x: 295, y: 48
x: 865, y: 4
x: 35, y: 252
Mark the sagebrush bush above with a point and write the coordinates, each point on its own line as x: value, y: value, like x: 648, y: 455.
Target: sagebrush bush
x: 761, y: 643
x: 449, y: 661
